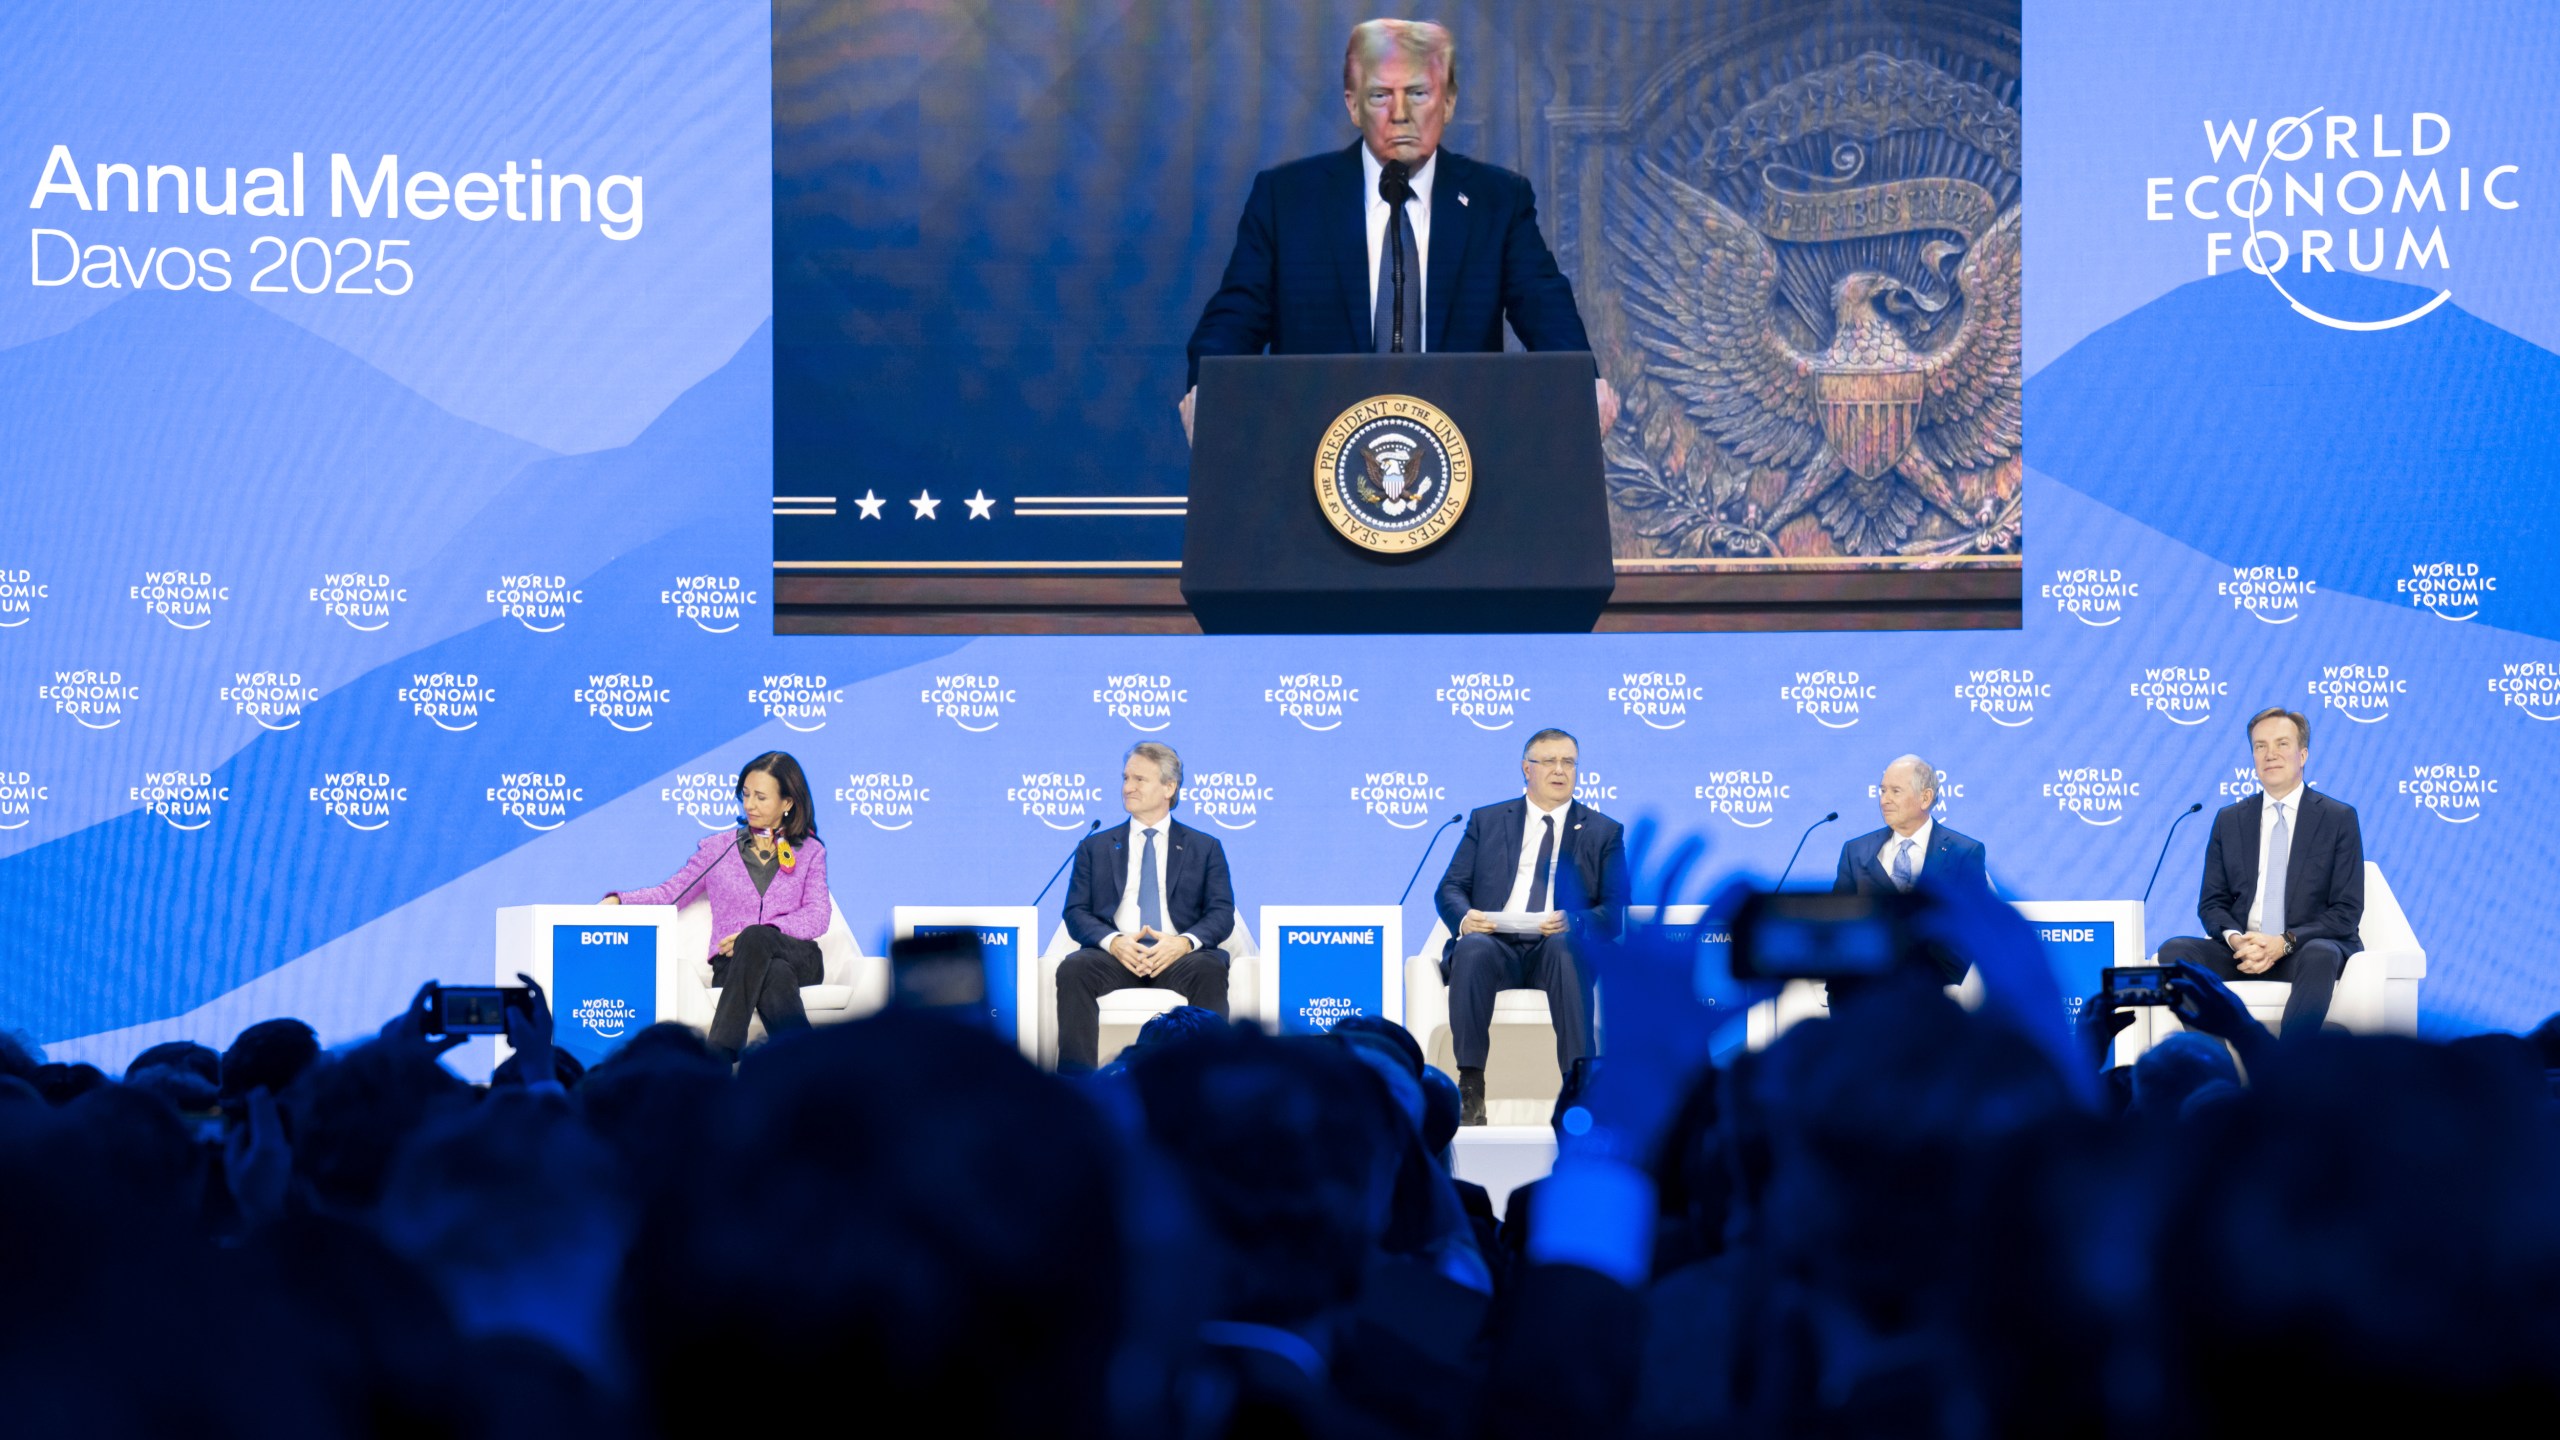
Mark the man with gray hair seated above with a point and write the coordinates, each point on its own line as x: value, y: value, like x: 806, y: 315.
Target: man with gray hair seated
x: 1150, y: 903
x: 1912, y: 842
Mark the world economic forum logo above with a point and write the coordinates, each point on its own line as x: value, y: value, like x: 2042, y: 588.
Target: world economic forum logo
x: 19, y: 592
x: 2529, y: 686
x: 1059, y: 799
x: 799, y: 701
x: 2093, y: 794
x: 1659, y: 698
x: 452, y: 700
x: 1146, y: 702
x: 1228, y: 799
x: 2454, y: 794
x: 604, y: 1016
x: 1317, y: 702
x: 1405, y: 799
x: 716, y: 604
x: 2452, y: 590
x: 708, y: 798
x: 2180, y: 694
x: 1831, y: 697
x: 888, y: 801
x: 362, y: 599
x: 2268, y: 594
x: 20, y: 794
x: 2361, y: 693
x: 97, y: 699
x: 362, y: 798
x: 538, y: 798
x: 1593, y: 788
x: 975, y: 703
x: 2006, y: 698
x: 1748, y: 798
x: 629, y: 703
x: 273, y: 698
x: 1486, y: 699
x: 187, y: 799
x: 184, y: 598
x: 2094, y: 596
x: 540, y: 603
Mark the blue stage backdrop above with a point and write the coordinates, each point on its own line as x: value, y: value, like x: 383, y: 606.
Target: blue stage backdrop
x: 335, y: 616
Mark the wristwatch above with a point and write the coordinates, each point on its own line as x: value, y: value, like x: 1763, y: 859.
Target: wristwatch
x: 2287, y: 937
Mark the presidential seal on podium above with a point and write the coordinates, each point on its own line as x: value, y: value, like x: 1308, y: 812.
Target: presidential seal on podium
x: 1393, y: 474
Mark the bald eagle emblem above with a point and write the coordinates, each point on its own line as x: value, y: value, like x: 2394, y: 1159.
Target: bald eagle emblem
x: 1392, y: 474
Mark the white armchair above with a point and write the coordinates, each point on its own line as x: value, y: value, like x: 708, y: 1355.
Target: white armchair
x: 853, y: 984
x: 1521, y: 1080
x: 1126, y: 1012
x: 2378, y: 992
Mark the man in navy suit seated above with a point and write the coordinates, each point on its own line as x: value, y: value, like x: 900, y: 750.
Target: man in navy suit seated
x: 1316, y: 252
x: 1149, y: 902
x: 1911, y: 843
x: 1544, y: 860
x: 2283, y: 895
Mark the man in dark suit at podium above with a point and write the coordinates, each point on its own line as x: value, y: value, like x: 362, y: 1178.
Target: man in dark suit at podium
x: 1545, y: 858
x: 1149, y: 902
x: 1323, y: 239
x: 2283, y: 895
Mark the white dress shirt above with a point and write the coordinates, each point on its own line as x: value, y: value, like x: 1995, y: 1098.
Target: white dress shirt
x: 1919, y: 848
x: 1126, y: 917
x: 2288, y: 805
x: 1530, y: 834
x: 1417, y: 213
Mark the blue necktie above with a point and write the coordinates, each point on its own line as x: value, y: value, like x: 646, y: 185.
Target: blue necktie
x: 1903, y: 875
x: 1150, y: 897
x: 2271, y: 876
x: 1384, y: 325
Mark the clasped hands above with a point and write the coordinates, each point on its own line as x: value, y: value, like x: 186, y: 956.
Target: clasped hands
x: 1147, y: 953
x: 2257, y: 953
x: 1477, y: 922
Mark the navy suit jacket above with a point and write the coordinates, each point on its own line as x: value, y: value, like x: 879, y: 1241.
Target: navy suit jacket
x: 1954, y: 858
x: 2323, y: 878
x: 1298, y: 282
x: 1591, y: 890
x: 1198, y: 899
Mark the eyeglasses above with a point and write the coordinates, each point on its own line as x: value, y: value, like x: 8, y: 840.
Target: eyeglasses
x: 1565, y: 763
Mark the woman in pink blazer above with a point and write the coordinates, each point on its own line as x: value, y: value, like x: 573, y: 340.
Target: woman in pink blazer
x: 767, y: 884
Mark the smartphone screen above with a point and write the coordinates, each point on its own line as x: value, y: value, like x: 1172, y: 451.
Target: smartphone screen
x: 1819, y: 937
x: 2133, y: 985
x: 944, y: 972
x: 473, y: 1009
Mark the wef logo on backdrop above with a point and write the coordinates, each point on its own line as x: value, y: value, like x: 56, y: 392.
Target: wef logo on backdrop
x: 19, y: 797
x: 2362, y: 693
x: 2182, y: 694
x: 1659, y: 698
x: 2094, y: 597
x: 629, y: 703
x: 2532, y: 686
x: 1145, y: 701
x: 716, y: 604
x: 2006, y: 698
x: 888, y: 801
x: 1488, y: 700
x: 1228, y: 799
x: 187, y: 799
x: 452, y: 701
x: 2269, y: 594
x: 1405, y: 799
x: 540, y: 603
x: 975, y: 703
x: 1316, y: 702
x: 540, y: 799
x: 2454, y: 794
x: 2092, y: 794
x: 98, y: 699
x: 362, y: 600
x: 799, y: 701
x: 19, y: 592
x: 2448, y: 589
x: 273, y: 698
x: 184, y: 598
x: 1831, y: 697
x: 1059, y: 799
x: 362, y: 798
x: 1591, y: 787
x: 708, y: 798
x: 1748, y: 798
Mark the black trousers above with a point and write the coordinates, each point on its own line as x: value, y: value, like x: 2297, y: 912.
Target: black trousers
x: 1089, y: 974
x: 1480, y: 967
x: 761, y: 976
x: 2312, y: 969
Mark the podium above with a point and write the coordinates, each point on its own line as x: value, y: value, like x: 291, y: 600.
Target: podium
x: 609, y: 970
x: 1397, y: 494
x: 1323, y: 963
x: 1009, y: 940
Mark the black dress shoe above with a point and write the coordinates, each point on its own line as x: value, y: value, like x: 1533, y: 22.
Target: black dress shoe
x: 1470, y: 1097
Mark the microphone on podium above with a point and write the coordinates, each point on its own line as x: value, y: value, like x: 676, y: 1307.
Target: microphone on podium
x: 1395, y: 186
x: 2164, y: 848
x: 1426, y: 849
x: 1799, y: 850
x: 1063, y: 864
